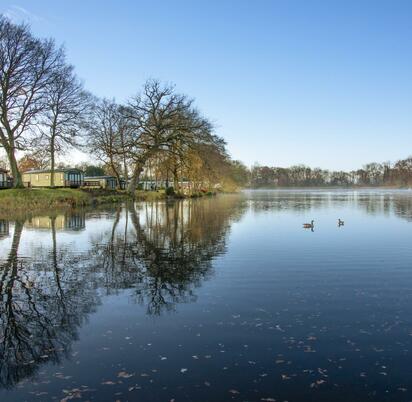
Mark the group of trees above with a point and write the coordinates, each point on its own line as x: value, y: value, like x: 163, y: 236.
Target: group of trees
x: 42, y: 102
x: 372, y: 174
x: 159, y: 134
x: 45, y: 110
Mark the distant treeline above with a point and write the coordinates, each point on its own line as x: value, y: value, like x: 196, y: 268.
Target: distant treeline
x: 372, y: 174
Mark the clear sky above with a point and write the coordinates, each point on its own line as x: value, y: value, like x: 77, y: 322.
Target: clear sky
x: 325, y: 83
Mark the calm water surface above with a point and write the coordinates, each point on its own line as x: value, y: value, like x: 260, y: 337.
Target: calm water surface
x: 215, y: 299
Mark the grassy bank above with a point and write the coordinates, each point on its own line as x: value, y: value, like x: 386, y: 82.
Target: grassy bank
x: 150, y: 195
x: 161, y: 195
x: 31, y: 200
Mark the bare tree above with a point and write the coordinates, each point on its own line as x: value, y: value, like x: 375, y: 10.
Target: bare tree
x: 106, y: 136
x: 160, y: 121
x: 27, y: 65
x: 66, y: 109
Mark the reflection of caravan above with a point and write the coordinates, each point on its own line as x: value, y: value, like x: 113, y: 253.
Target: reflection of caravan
x: 4, y: 228
x: 68, y: 222
x: 75, y: 221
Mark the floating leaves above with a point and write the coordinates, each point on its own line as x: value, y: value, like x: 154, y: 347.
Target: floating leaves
x: 124, y: 374
x: 108, y: 383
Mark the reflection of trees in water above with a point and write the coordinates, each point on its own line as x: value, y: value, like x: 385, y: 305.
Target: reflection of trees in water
x: 40, y: 310
x: 160, y: 251
x: 403, y: 207
x: 399, y: 203
x: 164, y: 251
x: 4, y: 228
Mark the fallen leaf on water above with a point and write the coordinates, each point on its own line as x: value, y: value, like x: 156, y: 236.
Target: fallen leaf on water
x: 124, y: 374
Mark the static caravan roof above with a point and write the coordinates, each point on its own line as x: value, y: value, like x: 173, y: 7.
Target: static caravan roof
x: 98, y: 177
x: 37, y: 171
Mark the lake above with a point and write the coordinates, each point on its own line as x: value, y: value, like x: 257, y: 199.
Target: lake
x: 212, y: 299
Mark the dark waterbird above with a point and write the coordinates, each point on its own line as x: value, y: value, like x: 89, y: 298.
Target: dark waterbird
x: 309, y: 225
x: 340, y: 222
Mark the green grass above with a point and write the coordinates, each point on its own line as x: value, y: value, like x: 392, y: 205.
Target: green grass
x: 28, y: 201
x: 150, y: 195
x: 33, y: 200
x: 161, y: 195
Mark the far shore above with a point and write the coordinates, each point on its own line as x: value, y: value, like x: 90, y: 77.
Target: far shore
x: 31, y: 201
x: 363, y: 187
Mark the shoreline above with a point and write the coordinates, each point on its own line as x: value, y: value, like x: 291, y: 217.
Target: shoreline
x: 331, y: 188
x: 25, y: 202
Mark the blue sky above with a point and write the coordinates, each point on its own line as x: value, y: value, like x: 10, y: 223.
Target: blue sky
x: 325, y: 83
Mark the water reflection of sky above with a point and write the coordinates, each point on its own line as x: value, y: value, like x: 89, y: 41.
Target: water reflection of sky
x: 218, y: 299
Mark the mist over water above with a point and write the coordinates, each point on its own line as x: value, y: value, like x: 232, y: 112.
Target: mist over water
x: 218, y: 298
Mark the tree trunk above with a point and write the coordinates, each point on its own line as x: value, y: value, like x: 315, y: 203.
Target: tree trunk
x: 135, y: 178
x: 117, y: 174
x: 52, y: 162
x: 175, y: 181
x: 17, y: 179
x: 125, y: 171
x: 138, y: 169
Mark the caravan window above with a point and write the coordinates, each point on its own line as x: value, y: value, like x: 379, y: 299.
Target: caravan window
x: 74, y: 176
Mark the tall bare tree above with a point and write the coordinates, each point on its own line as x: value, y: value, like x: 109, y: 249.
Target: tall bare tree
x: 27, y: 65
x: 67, y: 105
x: 106, y: 136
x: 159, y: 119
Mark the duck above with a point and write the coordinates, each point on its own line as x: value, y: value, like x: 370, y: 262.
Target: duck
x: 340, y: 222
x: 309, y: 225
